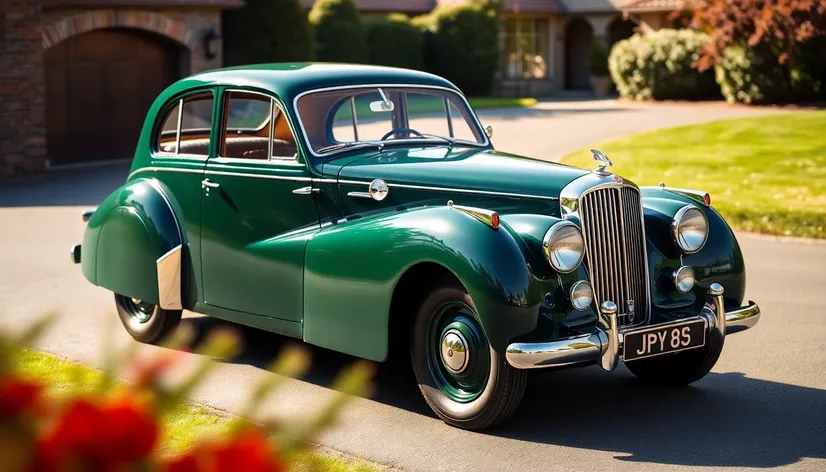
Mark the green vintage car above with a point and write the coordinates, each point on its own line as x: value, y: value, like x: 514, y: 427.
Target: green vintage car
x: 364, y: 209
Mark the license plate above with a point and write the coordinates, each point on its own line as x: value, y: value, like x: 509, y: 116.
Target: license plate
x: 663, y: 340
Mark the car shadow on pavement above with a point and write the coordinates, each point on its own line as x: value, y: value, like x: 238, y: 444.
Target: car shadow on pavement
x: 70, y: 187
x: 725, y: 419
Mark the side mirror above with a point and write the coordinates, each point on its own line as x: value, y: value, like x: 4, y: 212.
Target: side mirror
x: 382, y: 106
x: 489, y: 130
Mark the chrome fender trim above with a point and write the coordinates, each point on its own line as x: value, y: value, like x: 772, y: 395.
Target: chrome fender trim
x: 169, y: 279
x: 742, y: 318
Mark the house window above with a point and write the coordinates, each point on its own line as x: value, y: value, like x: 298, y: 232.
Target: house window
x: 523, y: 45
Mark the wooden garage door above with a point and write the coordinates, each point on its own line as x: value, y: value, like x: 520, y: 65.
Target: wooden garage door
x: 99, y: 86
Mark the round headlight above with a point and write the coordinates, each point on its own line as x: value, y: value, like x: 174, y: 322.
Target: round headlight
x: 684, y: 279
x: 563, y: 246
x: 582, y: 295
x: 690, y: 228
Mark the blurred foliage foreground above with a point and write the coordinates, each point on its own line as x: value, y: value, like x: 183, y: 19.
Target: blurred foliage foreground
x: 59, y: 416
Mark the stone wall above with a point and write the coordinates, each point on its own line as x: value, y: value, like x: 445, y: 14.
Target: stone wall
x: 22, y: 89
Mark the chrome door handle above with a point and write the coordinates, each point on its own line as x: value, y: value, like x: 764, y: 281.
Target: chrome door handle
x: 306, y: 191
x: 208, y: 183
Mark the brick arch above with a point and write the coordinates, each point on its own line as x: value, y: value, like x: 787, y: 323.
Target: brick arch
x: 65, y: 28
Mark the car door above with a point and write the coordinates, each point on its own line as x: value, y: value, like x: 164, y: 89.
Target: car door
x: 258, y: 212
x: 180, y: 146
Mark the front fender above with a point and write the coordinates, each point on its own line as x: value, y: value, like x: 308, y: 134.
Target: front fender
x: 132, y: 241
x: 357, y: 265
x: 720, y: 260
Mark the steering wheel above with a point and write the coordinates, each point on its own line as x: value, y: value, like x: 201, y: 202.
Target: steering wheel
x: 400, y: 130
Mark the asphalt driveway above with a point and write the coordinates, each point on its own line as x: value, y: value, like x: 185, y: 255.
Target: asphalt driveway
x: 763, y: 405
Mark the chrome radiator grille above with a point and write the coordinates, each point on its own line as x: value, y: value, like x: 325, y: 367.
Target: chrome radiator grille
x: 615, y: 250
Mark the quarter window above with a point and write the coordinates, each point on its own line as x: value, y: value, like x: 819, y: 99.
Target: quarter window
x: 186, y: 126
x: 255, y: 128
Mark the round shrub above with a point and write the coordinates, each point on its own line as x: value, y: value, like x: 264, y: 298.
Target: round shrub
x: 658, y: 66
x: 752, y: 76
x: 339, y: 33
x: 267, y: 31
x: 393, y: 41
x: 462, y: 45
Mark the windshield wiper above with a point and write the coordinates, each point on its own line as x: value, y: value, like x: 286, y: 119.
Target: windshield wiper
x: 450, y: 141
x: 336, y: 147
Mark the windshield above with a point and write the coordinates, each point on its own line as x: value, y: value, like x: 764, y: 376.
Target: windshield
x: 338, y: 119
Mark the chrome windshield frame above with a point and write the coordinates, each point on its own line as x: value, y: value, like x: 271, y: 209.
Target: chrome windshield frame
x: 475, y: 122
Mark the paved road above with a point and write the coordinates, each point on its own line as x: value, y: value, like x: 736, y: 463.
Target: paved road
x: 764, y: 404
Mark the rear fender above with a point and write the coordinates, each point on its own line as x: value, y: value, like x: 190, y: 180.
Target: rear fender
x: 357, y: 265
x: 133, y: 244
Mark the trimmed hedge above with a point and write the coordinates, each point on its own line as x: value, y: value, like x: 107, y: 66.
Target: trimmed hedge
x: 658, y: 66
x: 462, y: 45
x: 753, y: 75
x: 339, y: 33
x: 267, y: 31
x: 393, y: 41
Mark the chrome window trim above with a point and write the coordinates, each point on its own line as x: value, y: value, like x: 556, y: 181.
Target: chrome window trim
x: 274, y: 102
x: 569, y: 198
x: 476, y: 121
x: 157, y: 154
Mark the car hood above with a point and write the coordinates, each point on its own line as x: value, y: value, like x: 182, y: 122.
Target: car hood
x: 460, y: 168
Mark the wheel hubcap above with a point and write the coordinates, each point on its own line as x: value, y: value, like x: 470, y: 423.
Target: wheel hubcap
x: 455, y: 354
x: 458, y: 353
x: 140, y: 310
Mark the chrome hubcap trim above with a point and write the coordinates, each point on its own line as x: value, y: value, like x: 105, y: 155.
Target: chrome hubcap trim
x: 454, y: 349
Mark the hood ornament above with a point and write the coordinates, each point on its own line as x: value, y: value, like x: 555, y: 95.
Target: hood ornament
x: 602, y: 158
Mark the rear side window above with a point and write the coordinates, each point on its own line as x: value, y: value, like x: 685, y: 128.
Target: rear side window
x: 255, y: 128
x: 186, y: 126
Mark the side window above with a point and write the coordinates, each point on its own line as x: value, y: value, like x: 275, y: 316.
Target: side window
x: 194, y: 114
x: 255, y: 128
x: 461, y: 128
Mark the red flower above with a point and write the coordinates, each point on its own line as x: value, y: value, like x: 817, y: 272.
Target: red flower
x: 104, y: 438
x: 146, y: 372
x: 18, y: 396
x: 248, y: 452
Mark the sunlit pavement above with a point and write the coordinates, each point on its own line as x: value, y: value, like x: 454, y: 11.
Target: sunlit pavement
x: 763, y: 406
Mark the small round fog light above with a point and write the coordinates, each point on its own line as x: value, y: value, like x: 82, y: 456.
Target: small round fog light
x: 684, y: 279
x: 582, y: 295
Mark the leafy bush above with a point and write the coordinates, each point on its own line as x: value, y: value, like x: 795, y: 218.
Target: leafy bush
x: 658, y: 66
x: 339, y: 33
x: 753, y: 75
x: 267, y: 31
x: 462, y: 45
x: 598, y: 59
x: 393, y: 41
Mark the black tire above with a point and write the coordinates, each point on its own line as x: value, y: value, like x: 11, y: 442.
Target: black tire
x: 682, y: 368
x: 146, y: 322
x: 495, y: 400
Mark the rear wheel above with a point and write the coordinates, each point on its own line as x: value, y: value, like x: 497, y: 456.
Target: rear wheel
x: 144, y: 321
x: 465, y: 382
x: 682, y: 368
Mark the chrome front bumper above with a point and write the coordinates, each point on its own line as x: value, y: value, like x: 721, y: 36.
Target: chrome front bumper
x: 605, y: 346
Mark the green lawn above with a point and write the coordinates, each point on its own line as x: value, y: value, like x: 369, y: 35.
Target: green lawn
x: 765, y: 174
x: 183, y: 426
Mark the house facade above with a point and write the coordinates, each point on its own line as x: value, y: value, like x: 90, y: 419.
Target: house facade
x: 77, y: 76
x: 544, y: 43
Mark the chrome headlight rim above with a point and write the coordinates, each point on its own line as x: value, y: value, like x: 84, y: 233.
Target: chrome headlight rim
x: 548, y: 239
x: 574, y: 288
x: 677, y: 222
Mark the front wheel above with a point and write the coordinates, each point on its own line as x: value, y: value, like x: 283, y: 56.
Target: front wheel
x: 465, y: 382
x: 682, y: 368
x: 144, y: 321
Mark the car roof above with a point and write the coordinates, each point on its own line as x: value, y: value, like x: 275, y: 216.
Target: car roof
x: 288, y: 80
